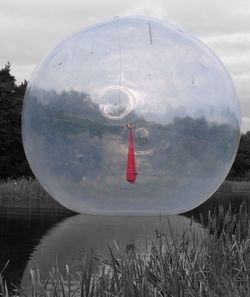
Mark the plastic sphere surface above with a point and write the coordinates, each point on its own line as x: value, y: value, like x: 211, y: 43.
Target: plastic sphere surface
x: 142, y: 73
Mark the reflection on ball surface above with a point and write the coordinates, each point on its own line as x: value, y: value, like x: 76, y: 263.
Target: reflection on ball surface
x: 170, y: 87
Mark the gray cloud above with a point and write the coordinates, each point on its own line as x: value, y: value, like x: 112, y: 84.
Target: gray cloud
x: 234, y: 51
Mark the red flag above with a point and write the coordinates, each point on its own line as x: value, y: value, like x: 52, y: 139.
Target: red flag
x: 131, y: 171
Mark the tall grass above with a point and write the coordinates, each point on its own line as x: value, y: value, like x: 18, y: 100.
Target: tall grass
x: 216, y: 265
x: 26, y: 194
x: 22, y: 189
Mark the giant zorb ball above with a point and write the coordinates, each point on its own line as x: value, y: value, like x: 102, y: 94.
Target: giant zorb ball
x: 137, y: 85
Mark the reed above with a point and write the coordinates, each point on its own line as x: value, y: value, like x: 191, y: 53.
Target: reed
x: 216, y: 265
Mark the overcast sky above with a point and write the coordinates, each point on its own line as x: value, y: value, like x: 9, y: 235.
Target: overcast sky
x: 30, y: 29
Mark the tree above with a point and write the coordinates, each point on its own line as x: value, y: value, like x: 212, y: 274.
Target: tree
x: 13, y: 163
x: 241, y: 166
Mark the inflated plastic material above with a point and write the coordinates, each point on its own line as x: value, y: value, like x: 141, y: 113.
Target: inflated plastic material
x: 141, y: 71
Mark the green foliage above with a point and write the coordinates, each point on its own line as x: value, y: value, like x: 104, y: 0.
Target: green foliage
x: 12, y: 158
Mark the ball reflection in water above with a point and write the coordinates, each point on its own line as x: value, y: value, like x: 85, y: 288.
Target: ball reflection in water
x: 133, y: 70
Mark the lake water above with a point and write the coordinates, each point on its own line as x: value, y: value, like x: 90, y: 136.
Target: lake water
x: 30, y: 239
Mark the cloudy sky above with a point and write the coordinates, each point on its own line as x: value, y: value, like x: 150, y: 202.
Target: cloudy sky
x: 30, y: 29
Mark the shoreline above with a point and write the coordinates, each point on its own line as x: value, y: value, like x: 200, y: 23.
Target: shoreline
x: 27, y: 195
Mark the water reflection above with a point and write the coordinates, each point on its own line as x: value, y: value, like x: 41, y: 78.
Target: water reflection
x: 36, y: 239
x: 69, y: 241
x: 20, y: 233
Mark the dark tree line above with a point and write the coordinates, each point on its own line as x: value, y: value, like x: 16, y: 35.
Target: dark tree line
x: 241, y: 165
x: 13, y: 163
